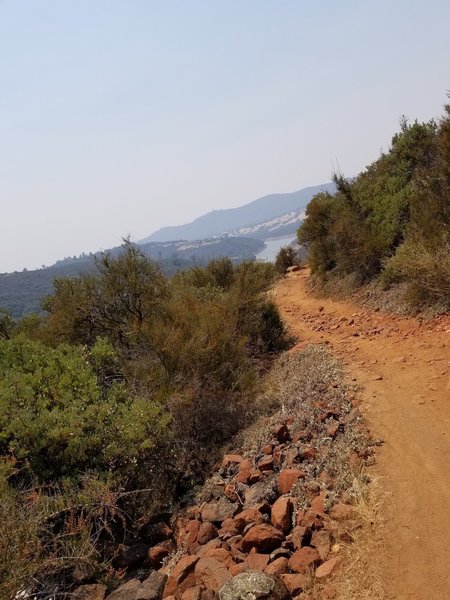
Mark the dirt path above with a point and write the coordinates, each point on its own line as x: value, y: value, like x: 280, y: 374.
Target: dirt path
x: 403, y: 367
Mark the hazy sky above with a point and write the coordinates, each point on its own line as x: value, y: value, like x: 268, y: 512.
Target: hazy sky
x: 120, y: 116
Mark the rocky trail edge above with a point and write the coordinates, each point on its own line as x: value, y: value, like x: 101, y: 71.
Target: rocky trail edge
x: 402, y: 366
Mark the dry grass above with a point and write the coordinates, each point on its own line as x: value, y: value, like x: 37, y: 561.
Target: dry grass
x: 360, y: 576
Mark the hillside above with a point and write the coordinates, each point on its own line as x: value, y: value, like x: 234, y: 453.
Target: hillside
x: 227, y: 221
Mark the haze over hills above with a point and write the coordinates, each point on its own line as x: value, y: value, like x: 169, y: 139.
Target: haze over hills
x: 236, y: 221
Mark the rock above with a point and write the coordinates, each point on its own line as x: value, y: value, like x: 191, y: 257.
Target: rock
x: 264, y: 538
x: 253, y: 586
x: 182, y: 570
x: 277, y: 567
x: 152, y: 588
x: 295, y: 583
x: 131, y: 557
x: 156, y: 556
x: 211, y: 545
x: 266, y: 463
x: 216, y: 512
x: 288, y: 478
x: 90, y: 592
x: 211, y: 573
x: 230, y: 460
x: 342, y: 512
x: 304, y: 559
x: 298, y: 536
x: 191, y: 531
x: 257, y: 562
x: 281, y: 433
x: 264, y: 491
x: 254, y: 476
x: 267, y: 449
x: 320, y: 540
x: 206, y: 533
x: 154, y: 533
x: 327, y: 568
x: 126, y: 591
x: 293, y: 269
x: 194, y: 593
x: 280, y: 552
x: 247, y: 516
x: 282, y: 514
x: 221, y: 555
x: 230, y: 491
x: 246, y: 465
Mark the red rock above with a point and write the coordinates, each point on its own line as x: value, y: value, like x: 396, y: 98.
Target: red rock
x: 228, y: 528
x: 342, y: 512
x: 254, y: 476
x: 281, y: 433
x: 282, y: 513
x: 247, y: 516
x: 257, y: 562
x: 288, y: 478
x: 266, y: 463
x: 291, y: 456
x: 327, y: 568
x: 277, y: 567
x: 211, y: 545
x: 194, y: 593
x: 298, y: 536
x: 243, y: 476
x: 206, y: 533
x: 308, y: 453
x: 230, y: 492
x: 267, y: 449
x: 318, y: 505
x: 295, y: 583
x: 238, y: 569
x: 333, y: 428
x: 311, y: 520
x: 192, y: 529
x: 221, y: 555
x: 211, y: 573
x: 320, y: 540
x: 156, y: 555
x: 304, y: 559
x: 246, y: 465
x: 231, y: 459
x: 264, y: 538
x: 182, y: 570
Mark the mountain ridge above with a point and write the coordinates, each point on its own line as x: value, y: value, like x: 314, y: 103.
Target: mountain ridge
x: 225, y: 221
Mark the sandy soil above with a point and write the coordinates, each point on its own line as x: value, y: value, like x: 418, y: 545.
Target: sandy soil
x: 403, y: 368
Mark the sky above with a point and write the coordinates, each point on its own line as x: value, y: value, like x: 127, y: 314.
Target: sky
x: 118, y: 117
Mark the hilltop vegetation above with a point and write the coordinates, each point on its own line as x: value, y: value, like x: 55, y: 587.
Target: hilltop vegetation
x: 113, y: 404
x: 391, y: 224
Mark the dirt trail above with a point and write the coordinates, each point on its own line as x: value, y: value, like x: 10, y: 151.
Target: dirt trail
x: 403, y: 367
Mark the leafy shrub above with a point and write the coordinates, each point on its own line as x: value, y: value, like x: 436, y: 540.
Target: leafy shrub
x: 286, y: 257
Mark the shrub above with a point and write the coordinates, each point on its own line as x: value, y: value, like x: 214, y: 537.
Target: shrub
x: 286, y: 257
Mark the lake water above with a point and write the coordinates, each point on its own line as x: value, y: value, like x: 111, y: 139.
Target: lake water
x: 272, y: 246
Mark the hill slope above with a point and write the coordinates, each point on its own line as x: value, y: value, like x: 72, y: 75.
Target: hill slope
x: 219, y: 222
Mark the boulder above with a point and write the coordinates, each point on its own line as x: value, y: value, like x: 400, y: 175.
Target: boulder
x: 327, y: 568
x: 156, y: 556
x: 206, y: 533
x: 282, y: 514
x: 264, y: 538
x: 264, y: 491
x: 253, y: 586
x: 127, y: 591
x: 321, y: 541
x: 216, y: 512
x: 288, y: 478
x: 295, y: 582
x: 304, y: 559
x: 277, y: 567
x: 152, y: 588
x: 211, y: 573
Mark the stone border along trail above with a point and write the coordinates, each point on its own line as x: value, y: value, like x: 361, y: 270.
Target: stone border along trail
x: 403, y: 367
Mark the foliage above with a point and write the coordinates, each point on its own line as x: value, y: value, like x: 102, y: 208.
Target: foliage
x: 286, y: 257
x: 393, y: 221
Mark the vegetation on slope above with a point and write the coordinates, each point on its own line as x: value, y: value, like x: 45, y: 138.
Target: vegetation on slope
x: 391, y: 223
x: 112, y: 405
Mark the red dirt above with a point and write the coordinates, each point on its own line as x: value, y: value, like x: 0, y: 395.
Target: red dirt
x: 403, y: 367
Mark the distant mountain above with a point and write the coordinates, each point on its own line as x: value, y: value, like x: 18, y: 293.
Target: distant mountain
x: 281, y: 226
x: 228, y: 221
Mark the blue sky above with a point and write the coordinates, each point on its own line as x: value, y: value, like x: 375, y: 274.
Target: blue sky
x: 118, y: 117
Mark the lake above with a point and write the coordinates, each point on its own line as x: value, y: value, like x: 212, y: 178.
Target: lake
x: 272, y: 246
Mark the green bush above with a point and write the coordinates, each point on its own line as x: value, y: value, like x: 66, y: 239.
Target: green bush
x: 286, y: 257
